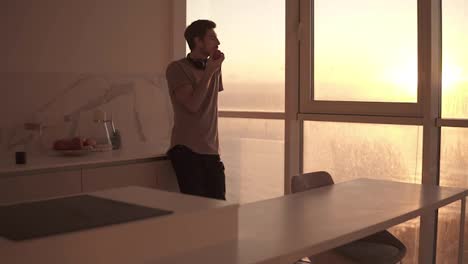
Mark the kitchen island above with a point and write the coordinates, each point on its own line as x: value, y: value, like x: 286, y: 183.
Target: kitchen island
x: 279, y: 230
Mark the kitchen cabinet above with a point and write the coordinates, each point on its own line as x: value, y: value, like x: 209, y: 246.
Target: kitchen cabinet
x: 87, y: 178
x: 138, y: 174
x: 39, y: 186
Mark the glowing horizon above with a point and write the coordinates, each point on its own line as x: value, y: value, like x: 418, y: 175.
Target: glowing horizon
x: 365, y: 50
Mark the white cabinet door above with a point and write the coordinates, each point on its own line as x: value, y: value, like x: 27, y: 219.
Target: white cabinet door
x: 39, y: 186
x: 137, y: 174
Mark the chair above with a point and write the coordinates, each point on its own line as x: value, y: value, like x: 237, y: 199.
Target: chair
x: 379, y: 248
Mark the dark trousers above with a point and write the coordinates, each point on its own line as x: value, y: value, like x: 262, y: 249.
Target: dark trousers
x: 198, y: 174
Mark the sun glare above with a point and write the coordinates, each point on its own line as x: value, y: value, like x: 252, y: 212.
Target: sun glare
x: 452, y: 75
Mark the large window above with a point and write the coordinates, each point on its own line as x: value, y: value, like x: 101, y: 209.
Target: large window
x: 363, y: 57
x: 352, y: 150
x: 453, y: 173
x: 455, y: 59
x: 454, y: 140
x: 253, y: 151
x: 362, y: 77
x: 253, y: 40
x: 454, y: 157
x: 379, y: 62
x: 365, y: 50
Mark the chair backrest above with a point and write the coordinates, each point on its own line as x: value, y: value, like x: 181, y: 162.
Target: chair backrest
x: 310, y: 181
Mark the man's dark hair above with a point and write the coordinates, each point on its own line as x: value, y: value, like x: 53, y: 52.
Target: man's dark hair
x: 198, y: 28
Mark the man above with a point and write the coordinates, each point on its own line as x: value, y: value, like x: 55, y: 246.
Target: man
x: 194, y: 83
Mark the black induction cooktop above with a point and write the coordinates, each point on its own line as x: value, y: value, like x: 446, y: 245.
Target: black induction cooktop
x: 57, y: 216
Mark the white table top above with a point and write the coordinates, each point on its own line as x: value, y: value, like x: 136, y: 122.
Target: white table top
x: 278, y: 230
x: 285, y: 229
x: 117, y: 243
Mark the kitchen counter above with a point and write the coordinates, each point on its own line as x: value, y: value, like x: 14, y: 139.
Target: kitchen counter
x: 118, y: 240
x: 205, y: 231
x: 54, y: 161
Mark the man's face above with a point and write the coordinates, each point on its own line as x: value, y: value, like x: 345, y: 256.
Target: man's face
x: 209, y: 43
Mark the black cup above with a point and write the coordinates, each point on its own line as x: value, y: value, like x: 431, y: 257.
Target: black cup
x: 20, y: 157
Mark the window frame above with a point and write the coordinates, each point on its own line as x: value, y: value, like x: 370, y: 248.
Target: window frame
x: 308, y: 105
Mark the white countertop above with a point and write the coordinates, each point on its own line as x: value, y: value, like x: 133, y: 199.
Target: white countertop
x: 54, y: 161
x: 109, y: 239
x: 279, y: 230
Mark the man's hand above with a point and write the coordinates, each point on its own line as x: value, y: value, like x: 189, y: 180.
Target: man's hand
x: 216, y: 54
x: 214, y: 62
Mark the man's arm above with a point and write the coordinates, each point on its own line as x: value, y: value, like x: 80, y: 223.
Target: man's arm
x: 192, y: 96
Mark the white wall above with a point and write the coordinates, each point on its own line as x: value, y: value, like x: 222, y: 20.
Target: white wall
x: 85, y: 35
x: 48, y: 45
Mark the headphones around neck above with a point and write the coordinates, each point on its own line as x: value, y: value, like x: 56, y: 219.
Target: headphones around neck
x: 198, y: 63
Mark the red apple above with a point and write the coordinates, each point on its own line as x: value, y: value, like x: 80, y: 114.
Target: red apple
x: 76, y: 143
x: 217, y: 54
x: 68, y: 144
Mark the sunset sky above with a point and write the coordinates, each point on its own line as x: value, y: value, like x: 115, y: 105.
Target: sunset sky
x: 365, y: 50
